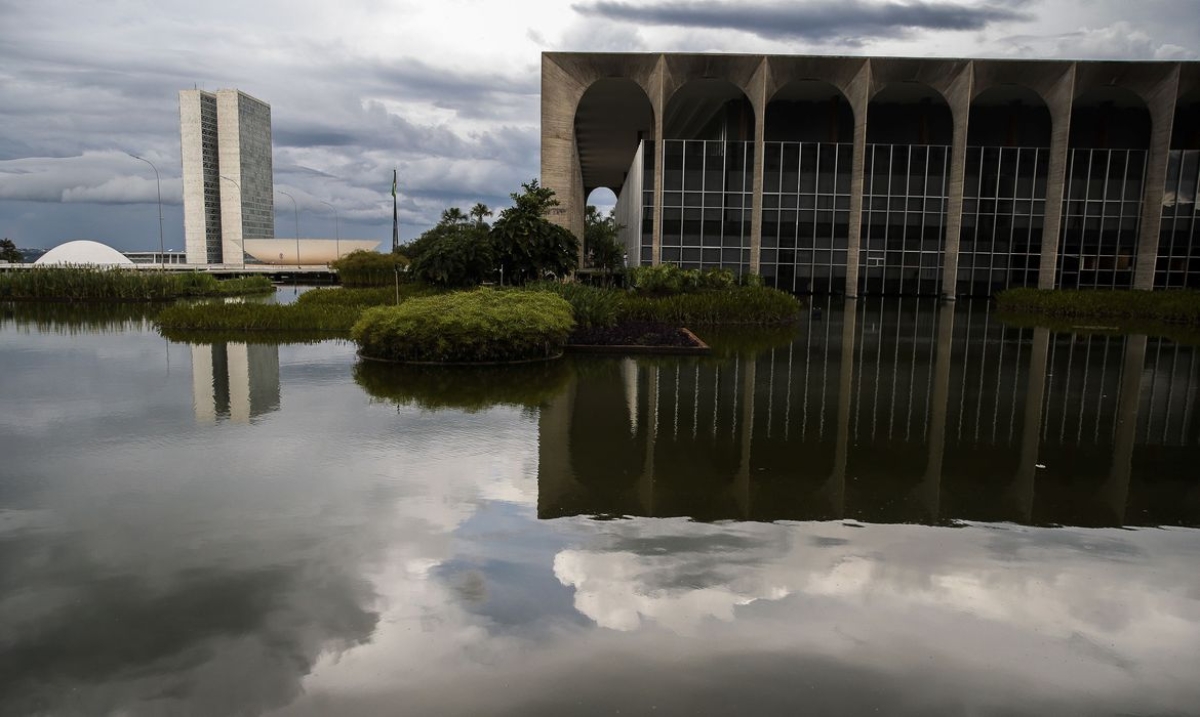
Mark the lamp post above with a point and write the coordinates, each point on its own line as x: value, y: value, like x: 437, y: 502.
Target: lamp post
x: 243, y: 242
x: 337, y: 234
x: 296, y: 215
x: 162, y: 252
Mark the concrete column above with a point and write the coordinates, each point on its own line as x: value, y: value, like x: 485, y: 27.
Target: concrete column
x: 1161, y: 104
x: 959, y: 97
x: 660, y: 102
x: 758, y: 100
x: 1059, y: 103
x: 1035, y: 393
x: 561, y: 93
x: 859, y: 95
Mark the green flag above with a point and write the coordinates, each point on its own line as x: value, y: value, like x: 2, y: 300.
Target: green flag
x: 393, y: 185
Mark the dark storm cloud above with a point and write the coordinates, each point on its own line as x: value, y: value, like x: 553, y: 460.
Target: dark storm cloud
x: 814, y: 21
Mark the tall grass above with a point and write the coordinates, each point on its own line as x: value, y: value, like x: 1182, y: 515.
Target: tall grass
x: 1173, y: 307
x: 77, y: 283
x: 737, y: 305
x: 593, y: 306
x: 258, y: 317
x: 378, y: 296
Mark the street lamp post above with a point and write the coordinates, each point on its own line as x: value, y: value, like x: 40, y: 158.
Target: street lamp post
x: 296, y: 215
x: 242, y: 248
x: 162, y: 252
x: 337, y: 234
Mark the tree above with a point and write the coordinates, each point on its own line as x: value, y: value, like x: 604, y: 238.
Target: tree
x: 455, y: 252
x: 9, y: 252
x: 601, y: 247
x: 527, y: 245
x: 479, y: 212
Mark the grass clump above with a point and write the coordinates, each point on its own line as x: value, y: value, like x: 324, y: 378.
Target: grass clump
x: 1170, y: 307
x: 754, y: 305
x: 81, y: 283
x: 592, y: 306
x: 370, y: 268
x: 378, y: 296
x: 478, y: 326
x: 258, y: 317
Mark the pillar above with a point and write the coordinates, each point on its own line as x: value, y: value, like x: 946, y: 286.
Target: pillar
x: 959, y: 97
x: 859, y: 94
x: 659, y: 101
x: 758, y: 100
x: 1161, y: 104
x: 1059, y: 102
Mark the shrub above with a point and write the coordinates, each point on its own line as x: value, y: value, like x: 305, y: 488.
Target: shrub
x: 369, y: 268
x: 527, y: 245
x: 465, y: 327
x: 662, y: 279
x: 462, y: 257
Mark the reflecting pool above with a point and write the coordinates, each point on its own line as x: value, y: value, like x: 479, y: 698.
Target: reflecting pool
x: 901, y: 507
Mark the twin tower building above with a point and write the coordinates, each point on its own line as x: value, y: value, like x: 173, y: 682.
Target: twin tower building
x: 228, y: 185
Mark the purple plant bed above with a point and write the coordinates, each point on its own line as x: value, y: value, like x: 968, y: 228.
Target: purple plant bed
x: 637, y: 336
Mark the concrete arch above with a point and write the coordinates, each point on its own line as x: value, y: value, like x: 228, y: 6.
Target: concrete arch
x: 1185, y: 132
x: 910, y: 113
x: 1110, y: 117
x: 612, y: 117
x: 1009, y: 115
x: 711, y: 109
x: 808, y: 110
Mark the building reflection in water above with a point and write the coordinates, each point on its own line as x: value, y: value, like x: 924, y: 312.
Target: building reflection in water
x: 234, y: 381
x: 887, y: 411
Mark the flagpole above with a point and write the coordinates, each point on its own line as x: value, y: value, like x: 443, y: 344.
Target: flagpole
x: 395, y: 237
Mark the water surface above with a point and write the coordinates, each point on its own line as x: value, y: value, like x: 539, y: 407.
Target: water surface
x: 904, y: 508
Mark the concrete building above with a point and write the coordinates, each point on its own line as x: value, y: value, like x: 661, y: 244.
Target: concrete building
x: 885, y: 175
x: 228, y: 185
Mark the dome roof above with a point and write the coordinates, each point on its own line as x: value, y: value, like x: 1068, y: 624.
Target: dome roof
x: 84, y: 252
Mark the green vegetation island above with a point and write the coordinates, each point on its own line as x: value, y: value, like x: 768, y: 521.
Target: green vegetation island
x: 471, y: 292
x: 99, y: 284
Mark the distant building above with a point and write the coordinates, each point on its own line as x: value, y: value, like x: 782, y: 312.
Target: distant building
x: 228, y: 185
x: 83, y: 252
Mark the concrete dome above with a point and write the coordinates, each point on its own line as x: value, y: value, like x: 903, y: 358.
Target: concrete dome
x: 86, y: 253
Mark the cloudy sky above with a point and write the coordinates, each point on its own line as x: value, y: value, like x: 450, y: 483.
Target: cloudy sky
x: 445, y: 92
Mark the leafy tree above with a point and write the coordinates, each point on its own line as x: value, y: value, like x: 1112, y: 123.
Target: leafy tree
x: 601, y: 248
x: 527, y: 245
x: 9, y: 252
x: 455, y: 252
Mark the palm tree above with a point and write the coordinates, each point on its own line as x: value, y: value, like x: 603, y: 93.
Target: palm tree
x: 453, y: 215
x: 479, y: 211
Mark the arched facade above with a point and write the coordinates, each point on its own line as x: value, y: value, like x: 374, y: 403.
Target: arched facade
x: 1004, y: 195
x: 707, y: 179
x: 807, y: 166
x: 957, y: 110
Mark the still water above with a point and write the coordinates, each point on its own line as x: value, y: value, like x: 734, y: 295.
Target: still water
x: 901, y: 508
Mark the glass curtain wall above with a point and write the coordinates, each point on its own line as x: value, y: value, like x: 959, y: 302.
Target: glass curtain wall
x: 806, y: 216
x: 1101, y: 218
x: 904, y: 216
x: 1004, y: 206
x: 707, y: 195
x: 1178, y: 254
